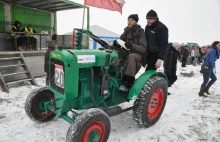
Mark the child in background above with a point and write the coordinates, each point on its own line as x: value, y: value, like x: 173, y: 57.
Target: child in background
x: 51, y: 46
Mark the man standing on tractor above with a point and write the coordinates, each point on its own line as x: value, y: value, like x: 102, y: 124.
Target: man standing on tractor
x: 157, y: 41
x: 135, y: 40
x: 29, y: 38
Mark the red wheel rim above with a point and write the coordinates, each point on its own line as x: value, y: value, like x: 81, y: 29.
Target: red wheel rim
x: 156, y: 104
x: 97, y: 127
x: 36, y: 109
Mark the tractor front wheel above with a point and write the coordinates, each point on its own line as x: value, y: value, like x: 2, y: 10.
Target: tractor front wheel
x: 35, y: 105
x: 151, y: 102
x: 92, y: 125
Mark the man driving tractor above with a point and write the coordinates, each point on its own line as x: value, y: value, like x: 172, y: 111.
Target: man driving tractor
x: 135, y: 40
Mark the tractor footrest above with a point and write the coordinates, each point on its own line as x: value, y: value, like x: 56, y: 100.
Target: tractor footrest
x: 114, y: 111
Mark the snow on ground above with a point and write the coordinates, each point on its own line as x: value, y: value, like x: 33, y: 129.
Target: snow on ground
x: 186, y: 117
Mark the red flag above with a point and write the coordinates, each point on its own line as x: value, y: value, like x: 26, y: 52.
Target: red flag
x: 113, y: 5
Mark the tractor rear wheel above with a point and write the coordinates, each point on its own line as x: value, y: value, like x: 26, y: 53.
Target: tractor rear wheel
x: 151, y: 102
x: 92, y: 125
x: 35, y: 105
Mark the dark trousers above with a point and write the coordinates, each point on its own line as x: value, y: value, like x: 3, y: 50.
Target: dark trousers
x: 151, y: 61
x: 207, y: 76
x: 172, y: 77
x: 184, y: 62
x: 32, y: 41
x: 47, y: 80
x: 133, y: 64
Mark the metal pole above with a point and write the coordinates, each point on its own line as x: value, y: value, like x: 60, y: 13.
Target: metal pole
x: 88, y: 25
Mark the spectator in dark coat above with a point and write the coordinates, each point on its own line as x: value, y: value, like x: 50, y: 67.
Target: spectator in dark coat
x: 210, y: 60
x: 170, y: 62
x: 51, y: 47
x: 157, y: 41
x: 185, y: 56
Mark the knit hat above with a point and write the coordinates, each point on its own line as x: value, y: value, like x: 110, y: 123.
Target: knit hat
x: 151, y: 14
x: 175, y: 44
x: 52, y: 44
x: 134, y: 16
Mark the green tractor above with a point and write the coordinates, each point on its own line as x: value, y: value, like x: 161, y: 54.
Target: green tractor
x: 84, y: 91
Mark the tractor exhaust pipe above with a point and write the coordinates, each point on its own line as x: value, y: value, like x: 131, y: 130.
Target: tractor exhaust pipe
x: 105, y: 78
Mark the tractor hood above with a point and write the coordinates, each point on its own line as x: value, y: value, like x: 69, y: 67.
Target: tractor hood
x: 82, y: 58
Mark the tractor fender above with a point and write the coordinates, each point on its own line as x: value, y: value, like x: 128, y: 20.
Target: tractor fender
x: 141, y: 81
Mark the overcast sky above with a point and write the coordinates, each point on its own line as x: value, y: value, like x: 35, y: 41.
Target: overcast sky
x: 187, y: 20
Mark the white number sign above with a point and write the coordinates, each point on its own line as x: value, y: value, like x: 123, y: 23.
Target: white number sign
x: 59, y: 76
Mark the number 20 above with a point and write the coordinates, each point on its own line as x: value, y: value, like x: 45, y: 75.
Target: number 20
x: 59, y: 78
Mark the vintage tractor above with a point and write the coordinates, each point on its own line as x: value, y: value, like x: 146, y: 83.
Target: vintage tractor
x: 84, y: 91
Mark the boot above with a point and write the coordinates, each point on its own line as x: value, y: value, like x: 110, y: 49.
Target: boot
x: 201, y: 92
x: 207, y: 87
x: 128, y: 82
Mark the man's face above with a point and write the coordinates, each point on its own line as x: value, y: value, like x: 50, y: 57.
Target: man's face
x: 150, y: 21
x: 29, y: 28
x: 177, y: 48
x: 131, y: 22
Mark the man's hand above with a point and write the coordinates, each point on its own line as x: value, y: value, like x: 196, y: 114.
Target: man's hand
x: 129, y: 45
x: 158, y: 63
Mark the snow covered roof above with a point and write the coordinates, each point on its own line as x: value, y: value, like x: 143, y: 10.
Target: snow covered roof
x: 100, y: 31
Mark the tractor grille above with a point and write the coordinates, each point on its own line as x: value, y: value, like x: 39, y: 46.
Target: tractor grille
x: 57, y: 75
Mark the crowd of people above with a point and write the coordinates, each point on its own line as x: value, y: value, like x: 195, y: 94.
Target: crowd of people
x: 151, y: 47
x: 20, y: 37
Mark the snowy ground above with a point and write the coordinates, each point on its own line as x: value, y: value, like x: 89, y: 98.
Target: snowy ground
x: 186, y: 117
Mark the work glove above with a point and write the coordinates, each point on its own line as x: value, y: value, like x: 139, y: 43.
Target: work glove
x: 129, y: 45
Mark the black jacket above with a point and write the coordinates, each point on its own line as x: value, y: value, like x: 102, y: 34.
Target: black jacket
x: 170, y: 60
x: 157, y: 39
x: 137, y: 37
x: 185, y: 52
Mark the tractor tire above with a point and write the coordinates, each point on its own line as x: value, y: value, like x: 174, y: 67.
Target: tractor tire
x: 34, y: 105
x: 150, y: 102
x: 92, y: 125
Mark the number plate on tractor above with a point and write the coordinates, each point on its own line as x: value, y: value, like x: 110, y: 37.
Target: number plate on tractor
x: 59, y: 76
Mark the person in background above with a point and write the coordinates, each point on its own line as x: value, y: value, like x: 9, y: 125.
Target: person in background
x: 200, y: 55
x: 28, y: 37
x: 51, y: 46
x: 157, y: 41
x: 196, y: 56
x: 170, y: 63
x: 13, y: 36
x: 185, y: 56
x: 192, y: 54
x: 135, y: 40
x: 210, y: 60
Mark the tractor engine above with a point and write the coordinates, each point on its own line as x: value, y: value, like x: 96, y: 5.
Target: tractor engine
x: 84, y: 74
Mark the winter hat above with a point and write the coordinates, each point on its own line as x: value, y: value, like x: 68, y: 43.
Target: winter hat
x: 134, y: 16
x: 52, y: 44
x: 175, y: 44
x: 151, y: 14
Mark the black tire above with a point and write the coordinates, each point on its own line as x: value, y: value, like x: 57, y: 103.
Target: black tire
x: 32, y: 101
x: 144, y: 114
x: 91, y: 120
